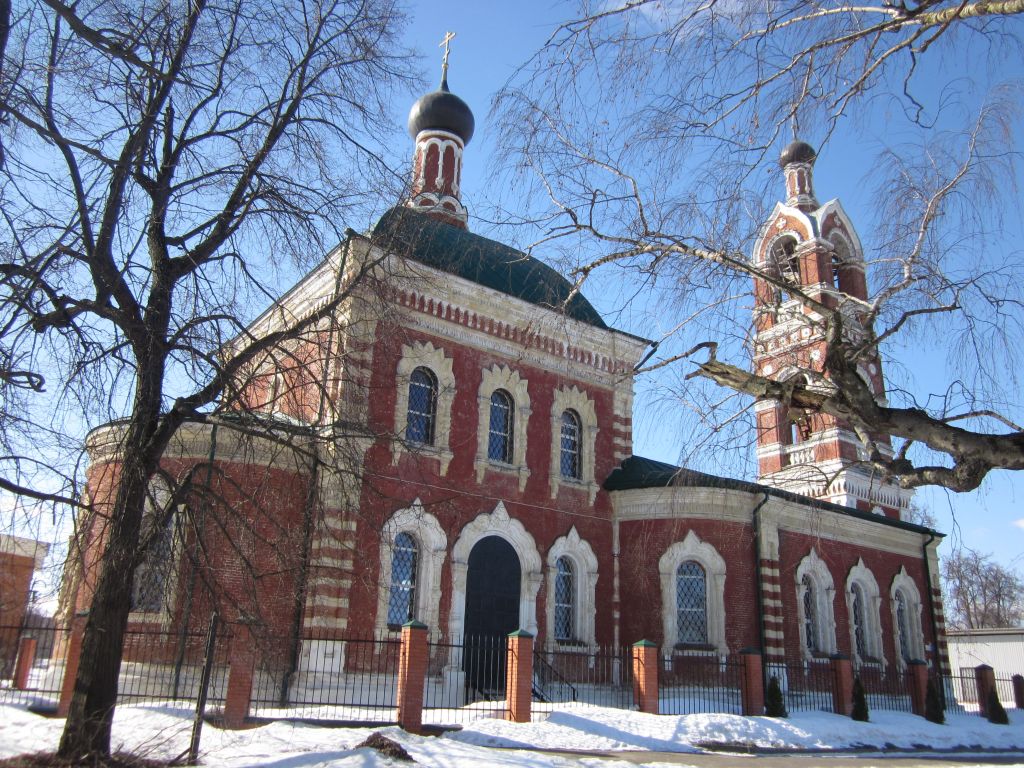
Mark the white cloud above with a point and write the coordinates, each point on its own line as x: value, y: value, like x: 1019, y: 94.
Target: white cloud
x: 1019, y: 522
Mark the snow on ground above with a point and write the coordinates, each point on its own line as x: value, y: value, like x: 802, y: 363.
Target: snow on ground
x: 163, y: 732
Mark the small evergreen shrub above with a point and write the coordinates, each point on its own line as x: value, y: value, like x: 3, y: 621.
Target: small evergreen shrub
x: 774, y: 703
x: 934, y: 704
x: 996, y: 713
x: 860, y: 702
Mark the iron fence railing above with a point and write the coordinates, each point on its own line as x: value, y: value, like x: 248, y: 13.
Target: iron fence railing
x: 598, y: 675
x: 885, y: 690
x: 465, y: 680
x: 157, y: 665
x: 340, y: 679
x: 692, y: 683
x: 46, y: 676
x: 806, y: 687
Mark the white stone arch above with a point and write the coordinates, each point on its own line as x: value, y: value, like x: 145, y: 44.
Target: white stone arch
x: 903, y: 583
x: 692, y: 548
x: 820, y: 576
x: 584, y: 561
x: 426, y: 355
x: 573, y: 398
x: 496, y: 523
x: 432, y: 544
x: 494, y: 378
x: 862, y: 576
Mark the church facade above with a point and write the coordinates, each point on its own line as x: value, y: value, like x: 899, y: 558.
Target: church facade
x: 454, y: 445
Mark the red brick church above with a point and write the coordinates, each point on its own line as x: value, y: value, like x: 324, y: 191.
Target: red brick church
x: 454, y: 445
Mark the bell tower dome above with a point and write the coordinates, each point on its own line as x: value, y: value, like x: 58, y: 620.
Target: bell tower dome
x: 814, y: 257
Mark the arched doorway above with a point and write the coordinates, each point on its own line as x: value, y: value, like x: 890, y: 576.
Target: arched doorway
x: 492, y: 612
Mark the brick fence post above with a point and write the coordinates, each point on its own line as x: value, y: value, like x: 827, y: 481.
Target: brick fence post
x: 752, y: 682
x: 1018, y: 691
x: 519, y: 676
x: 240, y: 676
x: 984, y: 682
x: 71, y: 659
x: 842, y: 685
x: 918, y: 680
x: 645, y: 676
x: 412, y: 675
x: 26, y: 658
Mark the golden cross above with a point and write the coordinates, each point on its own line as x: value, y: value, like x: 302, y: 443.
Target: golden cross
x: 448, y: 37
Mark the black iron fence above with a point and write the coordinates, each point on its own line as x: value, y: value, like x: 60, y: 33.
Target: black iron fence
x: 41, y: 689
x: 157, y: 665
x: 465, y: 680
x: 805, y: 687
x: 696, y: 682
x: 885, y: 688
x: 598, y: 675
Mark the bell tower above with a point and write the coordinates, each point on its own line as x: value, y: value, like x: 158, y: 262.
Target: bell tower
x: 814, y: 248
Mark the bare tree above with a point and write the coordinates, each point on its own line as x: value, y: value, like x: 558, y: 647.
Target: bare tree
x: 646, y: 126
x: 164, y: 164
x: 981, y: 594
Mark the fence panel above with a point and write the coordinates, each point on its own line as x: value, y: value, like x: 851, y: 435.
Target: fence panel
x: 161, y: 665
x: 345, y: 680
x: 806, y: 687
x: 465, y: 681
x: 47, y: 673
x: 888, y: 690
x: 689, y: 684
x: 601, y: 676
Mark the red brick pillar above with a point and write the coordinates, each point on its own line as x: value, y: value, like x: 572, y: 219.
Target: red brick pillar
x: 240, y: 676
x: 412, y: 675
x: 26, y: 658
x: 984, y: 683
x: 71, y: 659
x: 842, y: 685
x: 1018, y: 691
x: 519, y: 676
x: 918, y: 680
x: 645, y: 676
x: 752, y: 682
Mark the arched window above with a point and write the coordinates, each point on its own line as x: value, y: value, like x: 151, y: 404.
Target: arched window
x: 691, y: 604
x: 422, y: 407
x: 151, y: 582
x: 862, y: 602
x: 786, y: 260
x: 903, y: 626
x: 860, y: 629
x: 811, y: 627
x: 565, y: 600
x: 571, y: 433
x: 500, y: 434
x: 402, y: 597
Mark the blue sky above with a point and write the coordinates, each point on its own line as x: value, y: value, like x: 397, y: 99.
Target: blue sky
x: 493, y: 39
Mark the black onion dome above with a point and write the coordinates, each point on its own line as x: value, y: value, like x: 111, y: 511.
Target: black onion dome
x: 442, y: 110
x: 797, y: 152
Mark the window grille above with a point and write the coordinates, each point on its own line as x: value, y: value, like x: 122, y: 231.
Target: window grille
x: 902, y: 625
x: 402, y: 599
x: 859, y: 622
x: 499, y: 437
x: 422, y: 407
x: 810, y: 616
x: 571, y: 430
x: 691, y: 604
x: 149, y: 585
x: 565, y: 600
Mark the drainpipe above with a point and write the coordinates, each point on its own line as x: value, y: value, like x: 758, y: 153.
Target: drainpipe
x: 931, y: 602
x: 758, y: 585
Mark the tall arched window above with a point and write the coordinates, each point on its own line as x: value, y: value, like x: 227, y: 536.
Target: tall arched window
x: 402, y: 597
x: 151, y: 582
x: 786, y: 260
x: 903, y: 626
x: 691, y: 604
x: 860, y: 623
x: 571, y: 433
x: 811, y: 629
x: 422, y: 407
x: 500, y: 434
x: 565, y: 601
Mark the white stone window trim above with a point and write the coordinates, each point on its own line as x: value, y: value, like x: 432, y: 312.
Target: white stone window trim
x: 432, y: 548
x: 861, y: 575
x: 496, y: 523
x: 494, y: 378
x: 584, y: 563
x: 902, y: 582
x: 820, y: 576
x: 422, y: 354
x: 158, y: 495
x: 574, y: 399
x: 703, y: 553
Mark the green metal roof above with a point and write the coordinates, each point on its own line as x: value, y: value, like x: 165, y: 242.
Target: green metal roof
x: 638, y: 472
x: 486, y: 262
